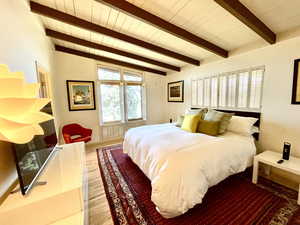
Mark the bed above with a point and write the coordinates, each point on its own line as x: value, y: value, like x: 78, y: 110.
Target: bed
x: 182, y: 165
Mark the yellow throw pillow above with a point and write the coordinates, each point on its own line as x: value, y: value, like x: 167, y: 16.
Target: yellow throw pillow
x: 190, y: 123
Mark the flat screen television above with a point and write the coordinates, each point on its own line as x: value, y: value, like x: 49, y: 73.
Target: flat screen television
x: 32, y: 157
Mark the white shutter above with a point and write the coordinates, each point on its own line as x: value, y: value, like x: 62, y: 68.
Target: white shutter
x: 231, y: 101
x: 222, y: 90
x: 200, y: 92
x: 207, y: 92
x: 256, y: 88
x: 194, y: 92
x: 243, y: 89
x: 233, y: 90
x: 214, y: 92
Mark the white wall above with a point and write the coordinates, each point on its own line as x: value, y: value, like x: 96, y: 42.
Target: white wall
x: 22, y: 42
x: 280, y: 119
x: 71, y: 67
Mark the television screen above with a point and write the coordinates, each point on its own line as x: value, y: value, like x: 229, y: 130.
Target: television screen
x: 32, y: 157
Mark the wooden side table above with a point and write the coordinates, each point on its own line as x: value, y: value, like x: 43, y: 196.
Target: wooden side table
x: 270, y: 158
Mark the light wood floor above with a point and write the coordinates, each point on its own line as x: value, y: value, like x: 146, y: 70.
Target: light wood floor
x: 99, y: 212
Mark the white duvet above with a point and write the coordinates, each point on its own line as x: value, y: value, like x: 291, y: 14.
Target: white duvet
x: 182, y: 165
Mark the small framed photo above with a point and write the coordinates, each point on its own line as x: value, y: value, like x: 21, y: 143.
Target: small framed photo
x: 81, y: 95
x: 296, y: 83
x: 176, y: 91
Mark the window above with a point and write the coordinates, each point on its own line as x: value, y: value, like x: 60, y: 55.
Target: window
x: 121, y: 95
x: 134, y: 101
x: 242, y: 89
x: 132, y: 77
x: 108, y: 74
x: 111, y: 103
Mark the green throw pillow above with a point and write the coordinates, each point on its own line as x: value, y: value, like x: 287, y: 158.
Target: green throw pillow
x: 209, y: 127
x: 190, y: 123
x: 223, y: 118
x: 213, y: 115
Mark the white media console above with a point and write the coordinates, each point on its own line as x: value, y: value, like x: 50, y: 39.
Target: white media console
x: 62, y: 201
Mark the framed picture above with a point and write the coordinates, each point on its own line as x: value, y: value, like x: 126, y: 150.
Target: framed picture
x: 43, y: 80
x: 81, y: 95
x: 176, y: 91
x: 296, y: 83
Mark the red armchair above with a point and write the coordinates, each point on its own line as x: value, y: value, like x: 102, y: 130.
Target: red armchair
x: 76, y: 133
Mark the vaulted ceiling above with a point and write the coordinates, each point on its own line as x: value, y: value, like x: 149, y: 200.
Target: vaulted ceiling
x: 206, y: 19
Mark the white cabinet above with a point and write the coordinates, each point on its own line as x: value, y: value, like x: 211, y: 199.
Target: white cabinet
x: 63, y: 197
x: 270, y: 158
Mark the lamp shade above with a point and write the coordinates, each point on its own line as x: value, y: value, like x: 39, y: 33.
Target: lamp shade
x: 20, y: 108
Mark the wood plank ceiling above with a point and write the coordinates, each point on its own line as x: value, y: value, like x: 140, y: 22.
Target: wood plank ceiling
x: 203, y: 18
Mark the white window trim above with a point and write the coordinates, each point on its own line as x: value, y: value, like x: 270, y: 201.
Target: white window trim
x: 123, y: 99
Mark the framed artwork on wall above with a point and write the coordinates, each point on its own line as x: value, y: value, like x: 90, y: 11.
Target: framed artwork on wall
x: 43, y: 79
x: 81, y: 95
x: 296, y: 83
x: 176, y: 91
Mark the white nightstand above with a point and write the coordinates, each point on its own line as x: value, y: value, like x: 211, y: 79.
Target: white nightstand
x: 270, y: 158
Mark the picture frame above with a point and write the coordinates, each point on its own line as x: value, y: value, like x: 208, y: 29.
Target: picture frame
x: 43, y: 78
x: 296, y: 83
x: 176, y: 91
x: 81, y: 95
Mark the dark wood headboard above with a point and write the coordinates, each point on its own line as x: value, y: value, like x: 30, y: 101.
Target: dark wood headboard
x: 245, y: 114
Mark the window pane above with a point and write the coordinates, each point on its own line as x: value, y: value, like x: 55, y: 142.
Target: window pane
x: 222, y: 95
x: 256, y: 89
x: 243, y: 89
x: 110, y: 102
x: 231, y: 90
x: 132, y: 77
x: 108, y: 74
x: 214, y: 92
x: 134, y: 101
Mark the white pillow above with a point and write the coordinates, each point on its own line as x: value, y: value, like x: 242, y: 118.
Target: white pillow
x: 254, y: 130
x: 195, y: 111
x: 242, y: 125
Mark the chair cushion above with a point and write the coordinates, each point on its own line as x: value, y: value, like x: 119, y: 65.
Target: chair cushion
x: 79, y: 139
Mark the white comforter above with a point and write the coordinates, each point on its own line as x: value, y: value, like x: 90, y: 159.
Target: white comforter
x: 182, y: 165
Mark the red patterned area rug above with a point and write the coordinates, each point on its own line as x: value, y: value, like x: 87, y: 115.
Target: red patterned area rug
x: 234, y: 201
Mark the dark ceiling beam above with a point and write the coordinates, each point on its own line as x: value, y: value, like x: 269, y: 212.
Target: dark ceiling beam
x: 237, y: 9
x: 89, y: 44
x: 108, y: 60
x: 75, y: 21
x: 164, y: 25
